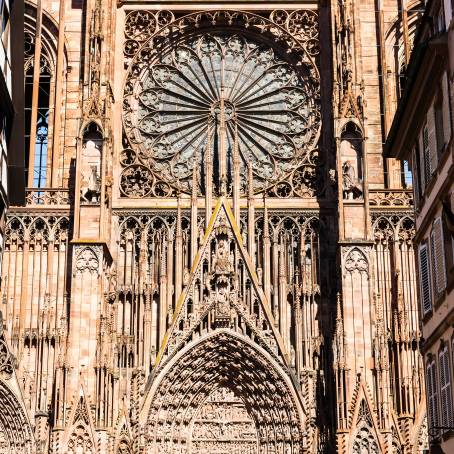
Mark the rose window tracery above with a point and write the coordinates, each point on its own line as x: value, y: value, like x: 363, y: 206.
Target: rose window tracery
x: 222, y: 98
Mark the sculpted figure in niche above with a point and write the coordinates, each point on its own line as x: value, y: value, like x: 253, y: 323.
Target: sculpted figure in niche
x: 351, y: 185
x: 186, y: 275
x: 221, y: 262
x: 90, y: 188
x: 352, y: 172
x: 223, y: 305
x: 348, y: 179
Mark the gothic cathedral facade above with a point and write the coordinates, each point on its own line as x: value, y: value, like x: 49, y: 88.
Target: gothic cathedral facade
x: 213, y: 256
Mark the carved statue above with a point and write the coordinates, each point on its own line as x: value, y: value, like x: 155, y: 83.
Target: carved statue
x: 222, y: 263
x: 351, y: 188
x: 91, y: 185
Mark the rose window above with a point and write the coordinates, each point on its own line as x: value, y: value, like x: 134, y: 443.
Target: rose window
x: 212, y: 98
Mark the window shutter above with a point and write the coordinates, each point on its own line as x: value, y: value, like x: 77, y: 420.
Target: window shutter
x: 432, y: 398
x: 447, y: 127
x: 441, y: 363
x: 425, y: 155
x: 416, y: 175
x: 438, y: 256
x: 452, y: 376
x: 424, y: 273
x: 449, y: 404
x: 421, y: 161
x: 435, y: 394
x: 431, y: 141
x: 445, y: 388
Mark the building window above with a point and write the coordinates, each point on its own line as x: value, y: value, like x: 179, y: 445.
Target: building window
x: 417, y: 183
x: 447, y: 112
x: 424, y: 274
x: 432, y: 393
x: 407, y: 177
x: 41, y: 128
x: 452, y: 366
x: 445, y: 387
x: 4, y: 42
x: 439, y: 126
x: 28, y: 114
x: 438, y: 256
x: 426, y: 155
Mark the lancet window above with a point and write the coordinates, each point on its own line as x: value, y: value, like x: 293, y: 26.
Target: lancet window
x: 41, y: 133
x: 40, y: 74
x: 399, y: 43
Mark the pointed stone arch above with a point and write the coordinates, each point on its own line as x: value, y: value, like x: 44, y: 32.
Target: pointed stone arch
x: 222, y: 359
x: 16, y: 435
x: 365, y: 437
x: 398, y: 437
x: 365, y: 430
x: 90, y: 162
x: 15, y: 430
x: 364, y: 441
x: 80, y: 437
x: 224, y: 229
x: 356, y: 260
x: 122, y: 438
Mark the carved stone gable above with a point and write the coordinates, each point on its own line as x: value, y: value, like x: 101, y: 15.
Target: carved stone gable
x: 223, y: 301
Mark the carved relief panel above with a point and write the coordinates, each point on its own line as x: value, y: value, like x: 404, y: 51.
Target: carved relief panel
x: 223, y: 425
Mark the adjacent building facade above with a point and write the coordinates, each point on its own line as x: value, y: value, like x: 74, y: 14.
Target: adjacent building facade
x: 16, y: 433
x: 213, y: 254
x: 11, y: 109
x: 422, y: 135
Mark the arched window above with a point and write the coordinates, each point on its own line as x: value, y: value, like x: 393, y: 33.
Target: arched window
x: 41, y: 130
x: 38, y: 97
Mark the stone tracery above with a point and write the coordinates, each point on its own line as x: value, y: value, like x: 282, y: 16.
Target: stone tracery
x: 365, y: 442
x: 233, y: 362
x: 224, y: 98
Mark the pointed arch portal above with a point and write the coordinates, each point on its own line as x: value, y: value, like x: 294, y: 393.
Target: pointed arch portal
x: 223, y: 394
